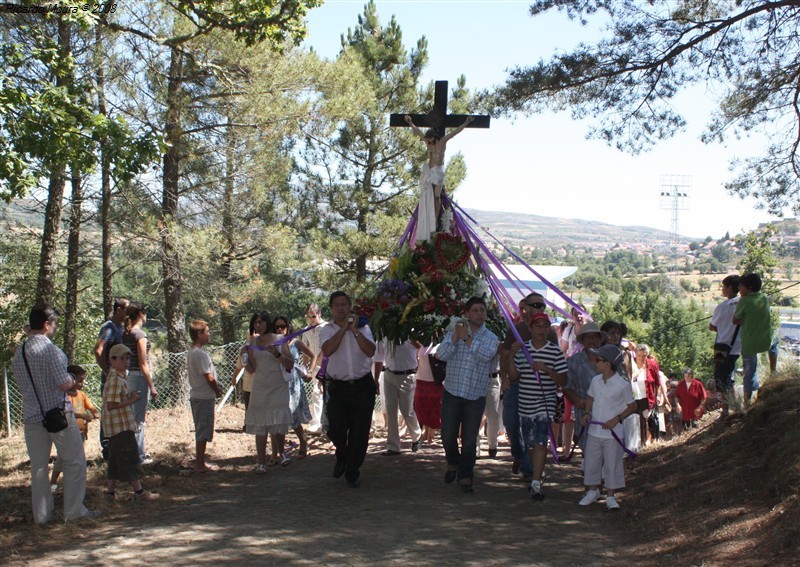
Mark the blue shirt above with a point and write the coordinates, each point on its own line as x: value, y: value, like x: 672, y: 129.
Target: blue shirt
x: 469, y: 367
x: 111, y: 333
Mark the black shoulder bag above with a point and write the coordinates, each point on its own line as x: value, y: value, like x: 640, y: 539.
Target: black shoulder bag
x: 55, y: 420
x: 438, y: 369
x: 721, y: 350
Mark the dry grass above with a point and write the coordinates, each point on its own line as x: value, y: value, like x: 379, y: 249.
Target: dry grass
x: 726, y: 493
x: 170, y: 439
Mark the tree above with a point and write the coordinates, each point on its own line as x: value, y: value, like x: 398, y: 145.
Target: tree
x: 275, y: 22
x: 626, y: 82
x: 678, y: 336
x: 49, y: 126
x: 759, y: 258
x: 362, y: 172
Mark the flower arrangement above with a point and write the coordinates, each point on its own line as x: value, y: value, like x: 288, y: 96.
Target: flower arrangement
x: 423, y: 291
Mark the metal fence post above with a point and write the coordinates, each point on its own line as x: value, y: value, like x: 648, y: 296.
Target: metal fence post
x: 8, y: 401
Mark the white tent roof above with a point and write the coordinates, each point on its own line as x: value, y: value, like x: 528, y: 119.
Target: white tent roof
x: 528, y: 282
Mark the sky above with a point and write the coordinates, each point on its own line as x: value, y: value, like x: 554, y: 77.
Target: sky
x: 543, y: 164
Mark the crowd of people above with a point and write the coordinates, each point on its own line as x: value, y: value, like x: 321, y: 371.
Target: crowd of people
x: 572, y: 386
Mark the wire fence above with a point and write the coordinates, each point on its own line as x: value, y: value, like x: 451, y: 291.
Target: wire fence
x: 169, y: 377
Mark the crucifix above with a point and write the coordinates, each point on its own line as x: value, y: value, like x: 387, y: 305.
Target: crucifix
x: 436, y: 138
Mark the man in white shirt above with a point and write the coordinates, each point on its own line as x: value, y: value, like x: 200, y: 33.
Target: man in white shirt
x: 722, y: 324
x: 349, y: 349
x: 399, y: 365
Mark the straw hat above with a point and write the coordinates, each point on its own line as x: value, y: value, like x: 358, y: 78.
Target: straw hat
x: 590, y: 327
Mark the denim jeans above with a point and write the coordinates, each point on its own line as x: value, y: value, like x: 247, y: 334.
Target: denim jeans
x: 514, y: 429
x: 458, y: 412
x: 137, y: 381
x: 750, y: 380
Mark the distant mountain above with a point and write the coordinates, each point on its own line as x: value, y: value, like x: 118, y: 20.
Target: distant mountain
x: 511, y: 228
x: 534, y: 230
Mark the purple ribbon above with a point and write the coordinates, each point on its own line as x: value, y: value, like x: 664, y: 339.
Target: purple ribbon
x: 410, y: 229
x: 630, y: 453
x: 496, y: 287
x: 545, y: 281
x: 283, y: 340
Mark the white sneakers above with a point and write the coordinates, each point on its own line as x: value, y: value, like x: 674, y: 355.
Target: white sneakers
x: 591, y: 496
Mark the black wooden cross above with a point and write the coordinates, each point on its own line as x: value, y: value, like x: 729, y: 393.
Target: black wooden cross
x: 438, y: 119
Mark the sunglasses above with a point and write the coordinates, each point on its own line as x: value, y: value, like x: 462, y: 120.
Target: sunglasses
x: 280, y: 326
x: 536, y: 305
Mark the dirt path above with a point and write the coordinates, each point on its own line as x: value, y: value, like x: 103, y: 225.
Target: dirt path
x: 403, y: 514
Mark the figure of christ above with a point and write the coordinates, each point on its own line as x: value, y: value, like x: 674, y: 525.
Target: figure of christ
x: 434, y: 173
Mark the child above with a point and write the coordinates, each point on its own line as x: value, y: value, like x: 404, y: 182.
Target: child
x: 84, y: 413
x: 538, y: 399
x: 203, y: 391
x: 609, y: 401
x: 119, y: 424
x: 752, y: 313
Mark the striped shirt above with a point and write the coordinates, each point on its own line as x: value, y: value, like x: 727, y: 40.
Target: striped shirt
x: 469, y: 367
x: 116, y: 421
x: 48, y: 365
x: 537, y: 399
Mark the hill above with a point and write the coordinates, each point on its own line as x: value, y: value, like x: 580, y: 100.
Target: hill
x: 539, y: 231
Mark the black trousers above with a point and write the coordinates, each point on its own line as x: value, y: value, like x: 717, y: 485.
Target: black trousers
x: 349, y: 419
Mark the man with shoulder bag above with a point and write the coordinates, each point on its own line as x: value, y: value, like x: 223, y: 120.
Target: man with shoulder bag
x: 728, y: 342
x: 40, y: 370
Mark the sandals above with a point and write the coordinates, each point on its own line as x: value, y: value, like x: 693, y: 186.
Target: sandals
x: 261, y: 468
x: 285, y: 461
x: 303, y: 452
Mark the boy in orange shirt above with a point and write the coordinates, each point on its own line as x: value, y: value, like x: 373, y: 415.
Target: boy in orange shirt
x: 84, y: 409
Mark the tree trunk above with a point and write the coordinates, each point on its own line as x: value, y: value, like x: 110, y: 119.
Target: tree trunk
x: 105, y: 182
x: 225, y: 271
x: 46, y: 284
x: 73, y: 265
x: 174, y: 311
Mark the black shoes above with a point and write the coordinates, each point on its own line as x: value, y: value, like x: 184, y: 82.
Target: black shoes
x: 416, y: 445
x: 354, y: 483
x: 467, y: 488
x: 390, y: 453
x: 450, y: 476
x: 492, y: 453
x: 338, y: 469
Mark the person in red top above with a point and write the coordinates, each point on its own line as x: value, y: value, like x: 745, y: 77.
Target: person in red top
x: 691, y: 398
x: 647, y: 369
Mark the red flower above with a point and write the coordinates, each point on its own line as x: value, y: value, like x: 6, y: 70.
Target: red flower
x: 429, y: 306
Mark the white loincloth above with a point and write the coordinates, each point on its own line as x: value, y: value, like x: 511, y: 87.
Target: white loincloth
x: 426, y: 220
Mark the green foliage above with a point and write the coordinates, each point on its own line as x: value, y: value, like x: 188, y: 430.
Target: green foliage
x: 46, y: 122
x: 362, y: 173
x: 626, y: 81
x: 19, y: 256
x: 679, y: 337
x: 758, y: 257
